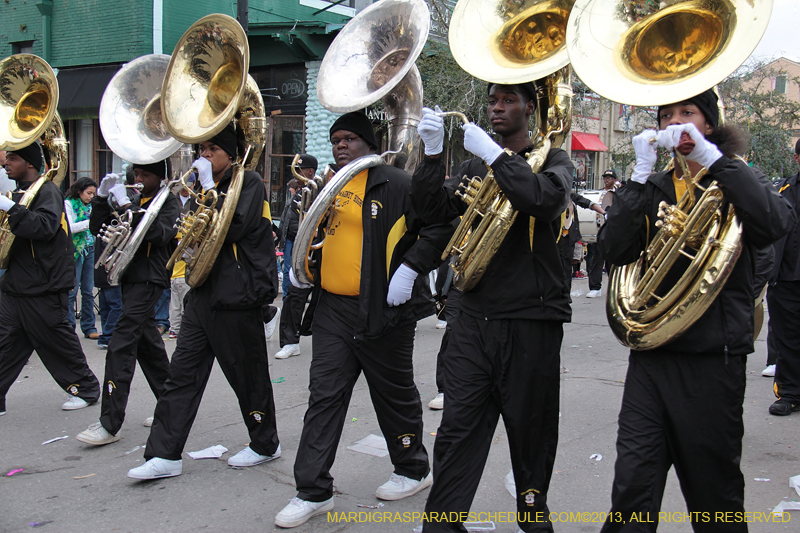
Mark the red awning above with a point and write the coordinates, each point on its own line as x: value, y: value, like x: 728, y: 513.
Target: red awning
x: 588, y: 142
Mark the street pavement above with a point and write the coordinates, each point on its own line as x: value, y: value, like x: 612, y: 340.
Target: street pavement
x: 69, y: 486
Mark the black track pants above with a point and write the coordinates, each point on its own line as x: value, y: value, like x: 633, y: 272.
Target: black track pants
x: 683, y: 410
x: 135, y: 338
x: 40, y: 323
x: 292, y: 315
x: 784, y: 310
x: 235, y: 338
x: 493, y: 367
x: 335, y: 366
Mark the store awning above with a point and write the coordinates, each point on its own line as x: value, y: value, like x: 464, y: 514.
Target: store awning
x: 81, y: 89
x: 588, y: 142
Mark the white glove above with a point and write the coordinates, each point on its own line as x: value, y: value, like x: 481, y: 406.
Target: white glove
x: 431, y: 131
x: 479, y: 143
x: 109, y: 181
x: 295, y: 282
x: 705, y: 153
x: 6, y: 203
x: 206, y: 177
x: 401, y: 285
x: 120, y: 195
x: 646, y: 155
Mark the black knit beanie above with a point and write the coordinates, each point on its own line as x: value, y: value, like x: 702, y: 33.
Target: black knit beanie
x: 32, y: 154
x: 226, y: 139
x: 706, y: 102
x: 359, y: 124
x: 159, y: 168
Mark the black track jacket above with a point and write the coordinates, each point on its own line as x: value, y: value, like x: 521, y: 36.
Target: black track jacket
x: 245, y: 274
x: 149, y: 263
x: 727, y: 325
x: 394, y: 234
x: 525, y: 279
x: 40, y: 260
x: 787, y: 249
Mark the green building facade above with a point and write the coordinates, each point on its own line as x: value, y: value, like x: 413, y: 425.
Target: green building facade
x: 87, y: 41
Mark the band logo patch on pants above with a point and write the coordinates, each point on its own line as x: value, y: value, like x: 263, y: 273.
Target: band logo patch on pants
x: 257, y: 415
x: 111, y: 387
x: 406, y: 439
x: 73, y: 389
x: 530, y: 497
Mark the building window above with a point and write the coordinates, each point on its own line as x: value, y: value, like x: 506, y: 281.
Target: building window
x: 780, y: 85
x: 286, y: 138
x: 347, y: 7
x: 22, y: 47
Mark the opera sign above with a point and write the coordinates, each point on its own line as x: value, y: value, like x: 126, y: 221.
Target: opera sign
x: 293, y: 88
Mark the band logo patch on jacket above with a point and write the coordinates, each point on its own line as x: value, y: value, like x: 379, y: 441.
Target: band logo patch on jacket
x: 374, y: 208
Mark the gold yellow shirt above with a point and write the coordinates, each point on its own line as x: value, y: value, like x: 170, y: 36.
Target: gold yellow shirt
x: 679, y: 184
x: 341, y: 255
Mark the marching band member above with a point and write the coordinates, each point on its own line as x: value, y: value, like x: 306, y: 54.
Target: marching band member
x: 371, y: 298
x: 294, y: 298
x: 222, y: 321
x: 135, y: 336
x: 503, y: 352
x: 35, y: 288
x: 682, y: 403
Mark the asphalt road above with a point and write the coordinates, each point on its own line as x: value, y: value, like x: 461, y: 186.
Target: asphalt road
x: 69, y: 486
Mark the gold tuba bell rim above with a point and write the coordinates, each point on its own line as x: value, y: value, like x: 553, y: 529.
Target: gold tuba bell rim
x: 210, y: 63
x: 511, y: 43
x: 667, y: 56
x: 28, y: 99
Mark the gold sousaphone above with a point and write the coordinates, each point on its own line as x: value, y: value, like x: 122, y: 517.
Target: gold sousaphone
x: 371, y: 59
x: 656, y: 53
x: 206, y: 86
x: 508, y: 42
x: 28, y: 102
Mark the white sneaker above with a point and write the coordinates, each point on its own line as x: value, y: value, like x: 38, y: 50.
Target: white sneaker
x: 288, y: 351
x: 269, y: 327
x: 399, y: 487
x: 148, y: 422
x: 769, y: 372
x: 299, y: 511
x: 437, y: 403
x: 156, y: 468
x: 441, y: 324
x: 594, y: 294
x: 248, y: 457
x: 74, y: 403
x: 97, y: 435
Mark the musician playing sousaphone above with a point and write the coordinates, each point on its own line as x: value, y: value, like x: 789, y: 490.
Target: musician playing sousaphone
x: 372, y: 295
x: 135, y: 336
x: 222, y: 320
x: 41, y: 272
x: 503, y: 352
x: 682, y: 403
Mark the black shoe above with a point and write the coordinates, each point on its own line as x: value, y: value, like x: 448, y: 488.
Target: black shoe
x: 783, y: 408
